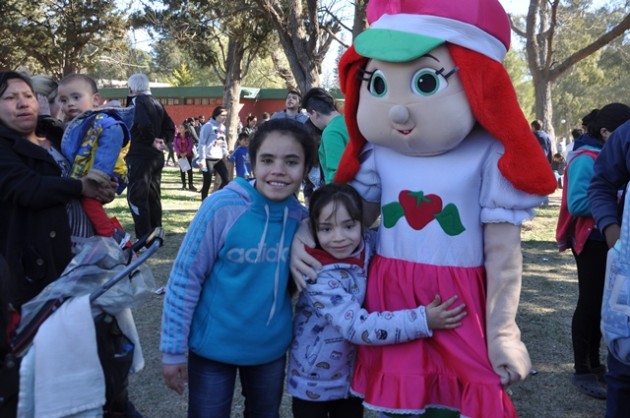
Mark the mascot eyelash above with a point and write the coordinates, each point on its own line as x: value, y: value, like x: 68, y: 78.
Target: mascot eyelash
x: 363, y: 72
x: 447, y: 75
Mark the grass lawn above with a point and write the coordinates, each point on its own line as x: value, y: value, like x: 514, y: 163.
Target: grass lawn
x: 547, y: 303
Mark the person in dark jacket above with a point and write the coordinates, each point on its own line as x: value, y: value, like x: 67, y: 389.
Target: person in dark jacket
x: 576, y: 230
x: 542, y: 137
x: 40, y: 212
x: 151, y: 130
x: 611, y: 174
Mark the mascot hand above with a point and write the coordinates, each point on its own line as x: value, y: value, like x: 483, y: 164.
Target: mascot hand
x: 509, y: 359
x: 503, y: 261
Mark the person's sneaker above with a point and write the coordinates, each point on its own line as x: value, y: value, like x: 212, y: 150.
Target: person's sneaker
x: 183, y: 188
x: 589, y: 385
x: 192, y: 188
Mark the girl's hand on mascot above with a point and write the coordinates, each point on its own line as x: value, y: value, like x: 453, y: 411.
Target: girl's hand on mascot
x: 439, y: 316
x: 302, y: 263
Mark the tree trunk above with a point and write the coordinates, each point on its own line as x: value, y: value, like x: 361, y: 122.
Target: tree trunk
x: 360, y: 20
x: 304, y: 66
x: 304, y: 39
x: 232, y: 88
x: 282, y: 70
x: 544, y: 107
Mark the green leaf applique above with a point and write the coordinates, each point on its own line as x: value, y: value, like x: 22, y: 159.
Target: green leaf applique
x: 392, y: 212
x: 450, y: 221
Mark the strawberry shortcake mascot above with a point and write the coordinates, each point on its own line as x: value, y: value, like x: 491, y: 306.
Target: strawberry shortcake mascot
x: 438, y: 140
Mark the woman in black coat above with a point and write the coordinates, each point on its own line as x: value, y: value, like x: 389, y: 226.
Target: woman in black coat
x: 38, y: 204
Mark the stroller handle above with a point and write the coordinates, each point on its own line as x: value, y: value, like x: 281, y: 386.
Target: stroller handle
x: 151, y: 242
x: 20, y: 342
x: 148, y: 239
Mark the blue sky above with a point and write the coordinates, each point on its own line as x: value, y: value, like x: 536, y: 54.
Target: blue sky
x: 517, y: 7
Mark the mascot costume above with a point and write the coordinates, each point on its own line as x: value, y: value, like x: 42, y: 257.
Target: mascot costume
x: 438, y: 140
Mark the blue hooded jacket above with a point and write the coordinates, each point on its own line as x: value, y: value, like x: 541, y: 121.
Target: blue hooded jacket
x: 227, y: 297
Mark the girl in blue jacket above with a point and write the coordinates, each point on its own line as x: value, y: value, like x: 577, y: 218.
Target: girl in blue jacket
x: 227, y: 305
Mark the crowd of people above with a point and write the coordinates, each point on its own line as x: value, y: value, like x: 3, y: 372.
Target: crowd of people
x: 204, y: 145
x: 65, y: 155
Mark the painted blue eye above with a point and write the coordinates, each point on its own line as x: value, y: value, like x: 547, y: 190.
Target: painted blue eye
x: 377, y: 85
x: 427, y: 82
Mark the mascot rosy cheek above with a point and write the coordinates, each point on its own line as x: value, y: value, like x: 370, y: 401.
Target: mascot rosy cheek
x: 438, y: 140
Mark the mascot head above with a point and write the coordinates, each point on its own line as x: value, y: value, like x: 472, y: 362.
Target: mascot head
x: 424, y: 74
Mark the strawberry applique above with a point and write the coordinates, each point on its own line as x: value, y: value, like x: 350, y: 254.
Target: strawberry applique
x: 419, y: 209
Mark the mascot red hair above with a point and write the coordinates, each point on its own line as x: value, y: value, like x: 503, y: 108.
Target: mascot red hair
x: 438, y: 140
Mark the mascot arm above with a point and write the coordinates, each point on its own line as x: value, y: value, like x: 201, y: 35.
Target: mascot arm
x: 503, y: 262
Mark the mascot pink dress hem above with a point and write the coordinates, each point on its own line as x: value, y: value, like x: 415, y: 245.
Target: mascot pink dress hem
x: 438, y: 140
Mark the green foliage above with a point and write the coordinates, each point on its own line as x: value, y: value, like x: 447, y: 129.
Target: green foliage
x: 305, y: 30
x: 181, y: 77
x: 515, y: 63
x: 59, y: 37
x: 261, y: 73
x: 579, y: 79
x: 169, y: 56
x: 199, y: 32
x: 577, y: 91
x: 119, y: 65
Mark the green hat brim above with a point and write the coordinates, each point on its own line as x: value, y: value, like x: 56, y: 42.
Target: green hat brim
x: 394, y: 46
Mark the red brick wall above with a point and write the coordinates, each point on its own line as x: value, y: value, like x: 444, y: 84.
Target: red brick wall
x: 256, y: 107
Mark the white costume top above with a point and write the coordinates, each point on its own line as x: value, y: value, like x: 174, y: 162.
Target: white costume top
x: 472, y: 191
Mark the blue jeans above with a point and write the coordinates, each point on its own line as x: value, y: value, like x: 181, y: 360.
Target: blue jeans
x: 211, y: 388
x: 618, y: 392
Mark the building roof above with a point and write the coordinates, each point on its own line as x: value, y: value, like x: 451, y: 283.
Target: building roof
x: 198, y: 91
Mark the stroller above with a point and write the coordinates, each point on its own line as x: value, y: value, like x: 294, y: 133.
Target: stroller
x: 115, y: 281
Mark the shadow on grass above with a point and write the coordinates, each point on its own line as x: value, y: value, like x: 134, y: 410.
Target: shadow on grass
x: 548, y: 297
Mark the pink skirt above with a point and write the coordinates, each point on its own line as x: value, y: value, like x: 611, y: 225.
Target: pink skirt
x: 449, y: 371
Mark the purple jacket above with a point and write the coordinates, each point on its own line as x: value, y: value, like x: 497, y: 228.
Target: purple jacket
x: 183, y: 144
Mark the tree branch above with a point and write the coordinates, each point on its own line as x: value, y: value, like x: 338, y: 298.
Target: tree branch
x: 334, y: 17
x: 590, y: 49
x: 520, y: 32
x: 334, y: 36
x: 549, y: 33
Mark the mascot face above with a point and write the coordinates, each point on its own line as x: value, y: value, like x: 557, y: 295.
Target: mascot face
x: 415, y: 108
